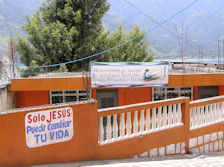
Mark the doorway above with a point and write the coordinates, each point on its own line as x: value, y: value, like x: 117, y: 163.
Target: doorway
x: 107, y: 98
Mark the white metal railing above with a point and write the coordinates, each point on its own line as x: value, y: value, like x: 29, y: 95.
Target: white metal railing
x: 124, y: 122
x: 206, y: 113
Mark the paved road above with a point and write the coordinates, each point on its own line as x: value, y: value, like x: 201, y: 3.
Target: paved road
x: 209, y: 159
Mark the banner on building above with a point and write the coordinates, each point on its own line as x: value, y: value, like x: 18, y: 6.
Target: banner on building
x: 48, y: 127
x: 129, y: 74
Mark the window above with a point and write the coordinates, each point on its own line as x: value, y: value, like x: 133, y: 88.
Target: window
x: 61, y: 96
x: 107, y: 102
x: 107, y: 98
x: 207, y: 91
x: 161, y: 93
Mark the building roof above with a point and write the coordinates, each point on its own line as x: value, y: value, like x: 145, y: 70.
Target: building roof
x: 180, y: 74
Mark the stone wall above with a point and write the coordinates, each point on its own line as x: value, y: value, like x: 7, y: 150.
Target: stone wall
x: 7, y: 99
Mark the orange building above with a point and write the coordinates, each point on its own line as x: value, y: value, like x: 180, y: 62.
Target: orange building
x: 111, y: 133
x: 71, y: 87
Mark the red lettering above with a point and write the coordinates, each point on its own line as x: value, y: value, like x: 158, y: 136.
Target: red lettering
x: 42, y: 117
x: 30, y: 120
x: 68, y: 112
x: 49, y: 120
x: 38, y: 118
x: 54, y: 115
x: 64, y: 113
x: 35, y: 118
x: 59, y: 114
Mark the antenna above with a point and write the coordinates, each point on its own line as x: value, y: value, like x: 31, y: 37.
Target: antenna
x: 218, y: 53
x: 223, y: 53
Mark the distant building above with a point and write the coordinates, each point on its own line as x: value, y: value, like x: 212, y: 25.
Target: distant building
x: 193, y: 80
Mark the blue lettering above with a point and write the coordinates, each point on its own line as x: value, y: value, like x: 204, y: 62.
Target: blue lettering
x: 36, y: 138
x: 48, y: 126
x: 28, y: 129
x: 43, y: 140
x: 52, y: 135
x: 60, y: 134
x: 66, y: 133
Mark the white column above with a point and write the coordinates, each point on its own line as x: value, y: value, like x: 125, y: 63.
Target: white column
x: 191, y: 117
x: 215, y: 112
x: 170, y: 115
x: 179, y: 113
x: 135, y: 123
x: 142, y: 121
x: 174, y: 114
x: 115, y: 127
x: 202, y: 108
x: 128, y: 124
x: 148, y: 119
x: 210, y: 113
x: 164, y: 116
x: 153, y: 118
x: 122, y: 125
x: 222, y: 110
x: 159, y: 117
x: 206, y: 114
x: 218, y: 112
x: 194, y: 117
x: 108, y: 128
x: 100, y: 129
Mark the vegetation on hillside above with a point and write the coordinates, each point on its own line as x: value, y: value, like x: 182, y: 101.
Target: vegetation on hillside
x: 66, y: 30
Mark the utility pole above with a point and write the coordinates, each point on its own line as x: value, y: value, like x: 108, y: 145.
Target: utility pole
x: 11, y: 48
x: 219, y: 54
x: 223, y: 53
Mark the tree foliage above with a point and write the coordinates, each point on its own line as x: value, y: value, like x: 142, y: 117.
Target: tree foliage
x: 66, y: 30
x: 62, y: 30
x: 134, y: 51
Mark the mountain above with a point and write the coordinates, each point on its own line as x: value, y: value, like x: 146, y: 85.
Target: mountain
x: 203, y: 23
x: 12, y: 16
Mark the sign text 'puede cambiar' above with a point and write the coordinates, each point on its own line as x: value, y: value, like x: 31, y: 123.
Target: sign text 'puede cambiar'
x: 49, y: 127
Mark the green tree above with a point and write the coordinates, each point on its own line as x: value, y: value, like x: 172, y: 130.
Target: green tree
x: 61, y: 31
x: 66, y: 30
x: 134, y: 51
x: 150, y: 58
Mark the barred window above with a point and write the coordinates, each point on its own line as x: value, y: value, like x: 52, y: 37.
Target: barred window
x: 161, y: 93
x: 61, y: 96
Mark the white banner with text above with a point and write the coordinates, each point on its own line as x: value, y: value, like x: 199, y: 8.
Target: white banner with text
x: 129, y: 75
x: 49, y: 127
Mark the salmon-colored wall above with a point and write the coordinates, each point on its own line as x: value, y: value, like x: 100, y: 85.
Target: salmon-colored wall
x: 83, y: 145
x: 130, y: 95
x: 195, y: 93
x: 221, y: 90
x: 196, y: 80
x: 39, y: 84
x: 32, y: 98
x: 93, y: 91
x: 134, y: 95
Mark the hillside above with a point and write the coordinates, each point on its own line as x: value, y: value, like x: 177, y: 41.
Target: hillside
x: 205, y: 22
x: 12, y: 15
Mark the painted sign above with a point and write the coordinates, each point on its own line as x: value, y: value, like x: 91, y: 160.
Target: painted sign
x: 129, y: 75
x: 49, y: 127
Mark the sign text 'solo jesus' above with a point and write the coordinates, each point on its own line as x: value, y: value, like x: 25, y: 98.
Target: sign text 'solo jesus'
x: 49, y: 127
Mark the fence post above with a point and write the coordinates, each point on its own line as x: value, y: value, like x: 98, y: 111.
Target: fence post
x: 185, y: 108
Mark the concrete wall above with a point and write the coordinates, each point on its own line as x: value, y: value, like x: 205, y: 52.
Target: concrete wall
x: 19, y: 130
x: 15, y: 150
x: 7, y: 99
x: 32, y: 98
